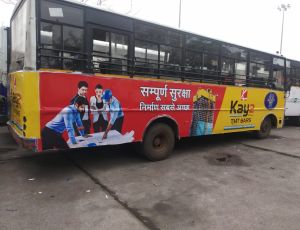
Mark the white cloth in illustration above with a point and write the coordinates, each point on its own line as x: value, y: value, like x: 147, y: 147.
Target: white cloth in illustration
x: 113, y: 138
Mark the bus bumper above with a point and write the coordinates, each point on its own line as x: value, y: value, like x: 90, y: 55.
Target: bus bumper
x: 28, y: 143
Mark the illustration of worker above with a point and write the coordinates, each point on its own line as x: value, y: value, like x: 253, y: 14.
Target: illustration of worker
x: 96, y: 105
x: 112, y: 107
x: 84, y: 115
x: 52, y: 132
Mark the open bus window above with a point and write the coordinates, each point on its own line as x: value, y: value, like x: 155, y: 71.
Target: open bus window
x: 240, y: 73
x: 258, y: 75
x: 259, y: 72
x: 101, y: 50
x: 50, y: 36
x: 278, y: 79
x: 51, y: 43
x: 146, y: 58
x: 110, y: 52
x: 119, y: 52
x: 227, y: 71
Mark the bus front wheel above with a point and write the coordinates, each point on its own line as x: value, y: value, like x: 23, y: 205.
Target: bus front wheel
x: 158, y: 142
x: 265, y: 129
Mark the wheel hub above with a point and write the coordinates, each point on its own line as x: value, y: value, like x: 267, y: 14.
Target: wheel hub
x: 157, y: 142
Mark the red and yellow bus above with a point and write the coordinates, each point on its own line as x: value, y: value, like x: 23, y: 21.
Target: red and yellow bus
x: 84, y: 77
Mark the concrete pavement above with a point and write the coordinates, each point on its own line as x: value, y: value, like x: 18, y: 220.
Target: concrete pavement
x: 218, y: 182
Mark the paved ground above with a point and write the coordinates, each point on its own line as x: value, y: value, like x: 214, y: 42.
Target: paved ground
x: 218, y: 182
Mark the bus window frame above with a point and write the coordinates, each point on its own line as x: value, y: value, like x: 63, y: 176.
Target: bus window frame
x: 61, y: 57
x: 89, y: 46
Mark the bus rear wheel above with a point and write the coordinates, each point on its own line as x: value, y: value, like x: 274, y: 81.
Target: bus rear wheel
x: 265, y: 129
x: 158, y: 142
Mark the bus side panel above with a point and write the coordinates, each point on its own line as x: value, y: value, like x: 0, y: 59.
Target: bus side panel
x: 245, y: 108
x: 198, y: 109
x: 24, y: 118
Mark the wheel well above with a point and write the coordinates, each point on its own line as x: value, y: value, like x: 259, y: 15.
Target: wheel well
x: 273, y: 120
x: 166, y: 120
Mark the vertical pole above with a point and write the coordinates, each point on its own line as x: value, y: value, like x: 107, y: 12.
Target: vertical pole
x: 179, y: 23
x: 282, y: 31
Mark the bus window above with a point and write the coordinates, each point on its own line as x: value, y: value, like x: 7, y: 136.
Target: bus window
x: 259, y: 71
x: 193, y: 62
x: 240, y: 73
x: 210, y: 46
x: 292, y: 74
x: 100, y: 50
x: 119, y: 52
x: 51, y: 43
x: 234, y: 52
x: 156, y: 34
x: 210, y: 68
x: 233, y: 64
x: 278, y: 78
x: 258, y: 75
x: 73, y: 42
x: 148, y: 33
x: 146, y: 58
x: 170, y: 59
x: 227, y: 71
x: 194, y: 43
x: 260, y: 58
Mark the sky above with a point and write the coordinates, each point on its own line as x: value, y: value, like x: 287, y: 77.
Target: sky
x: 251, y: 23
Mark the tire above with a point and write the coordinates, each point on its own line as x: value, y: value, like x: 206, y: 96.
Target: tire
x: 158, y: 142
x: 265, y: 129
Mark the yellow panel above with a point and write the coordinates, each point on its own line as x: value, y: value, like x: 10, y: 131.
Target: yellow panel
x: 248, y: 111
x: 25, y: 105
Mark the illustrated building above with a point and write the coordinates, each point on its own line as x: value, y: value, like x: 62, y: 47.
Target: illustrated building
x: 203, y: 113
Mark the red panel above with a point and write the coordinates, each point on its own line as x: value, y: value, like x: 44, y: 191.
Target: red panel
x: 57, y: 90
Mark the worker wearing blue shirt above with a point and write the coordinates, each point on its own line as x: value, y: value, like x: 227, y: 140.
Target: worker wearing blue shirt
x: 52, y: 132
x: 113, y: 107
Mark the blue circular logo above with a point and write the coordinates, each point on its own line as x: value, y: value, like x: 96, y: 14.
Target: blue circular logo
x: 271, y: 101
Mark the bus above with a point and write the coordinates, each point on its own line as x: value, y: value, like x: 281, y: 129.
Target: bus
x: 292, y: 105
x: 84, y: 77
x: 4, y: 32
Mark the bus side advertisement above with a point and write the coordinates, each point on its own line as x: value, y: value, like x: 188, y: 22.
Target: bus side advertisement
x: 55, y: 118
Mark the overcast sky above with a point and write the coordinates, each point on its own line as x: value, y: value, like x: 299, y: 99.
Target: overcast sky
x: 251, y: 23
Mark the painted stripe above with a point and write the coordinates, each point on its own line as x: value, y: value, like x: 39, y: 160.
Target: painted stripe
x: 238, y: 127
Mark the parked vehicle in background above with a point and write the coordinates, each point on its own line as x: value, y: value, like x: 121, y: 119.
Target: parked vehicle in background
x: 292, y: 105
x: 74, y: 65
x: 3, y: 73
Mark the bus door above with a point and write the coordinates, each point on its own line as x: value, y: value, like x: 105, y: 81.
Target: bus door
x: 109, y: 50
